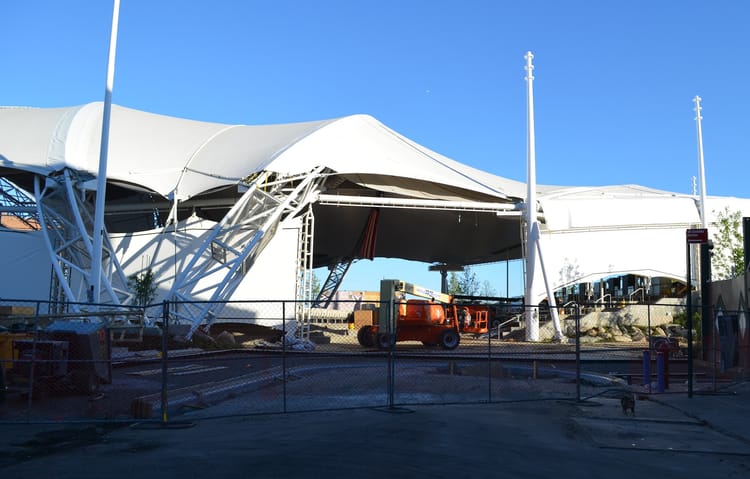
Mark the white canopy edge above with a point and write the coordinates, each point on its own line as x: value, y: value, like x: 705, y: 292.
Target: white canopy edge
x: 180, y: 158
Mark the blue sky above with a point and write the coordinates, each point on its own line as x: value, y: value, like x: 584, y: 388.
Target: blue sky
x: 614, y: 80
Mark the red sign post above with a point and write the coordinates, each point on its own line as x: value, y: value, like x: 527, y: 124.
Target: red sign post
x: 697, y: 235
x: 693, y: 236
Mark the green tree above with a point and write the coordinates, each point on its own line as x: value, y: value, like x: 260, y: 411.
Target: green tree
x: 466, y: 283
x: 143, y: 287
x: 469, y: 282
x: 728, y: 259
x: 315, y: 285
x: 486, y: 289
x: 454, y: 286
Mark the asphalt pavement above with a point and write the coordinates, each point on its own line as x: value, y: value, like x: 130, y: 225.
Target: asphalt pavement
x: 669, y: 435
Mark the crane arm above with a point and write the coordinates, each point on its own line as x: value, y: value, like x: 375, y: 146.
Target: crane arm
x: 417, y: 290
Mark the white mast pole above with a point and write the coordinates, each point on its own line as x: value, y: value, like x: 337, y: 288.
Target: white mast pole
x: 532, y: 315
x: 101, y: 186
x: 701, y: 169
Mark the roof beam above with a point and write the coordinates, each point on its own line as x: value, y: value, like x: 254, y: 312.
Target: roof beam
x: 501, y: 209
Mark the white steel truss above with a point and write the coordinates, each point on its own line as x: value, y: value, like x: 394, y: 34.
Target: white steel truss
x: 305, y: 248
x: 230, y: 248
x: 16, y: 202
x: 66, y: 221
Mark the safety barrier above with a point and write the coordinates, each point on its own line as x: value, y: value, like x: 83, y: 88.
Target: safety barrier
x: 258, y: 358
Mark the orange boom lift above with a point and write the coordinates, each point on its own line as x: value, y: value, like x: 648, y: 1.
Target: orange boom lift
x: 435, y: 320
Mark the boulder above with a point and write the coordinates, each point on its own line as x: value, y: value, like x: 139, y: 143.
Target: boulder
x: 225, y: 339
x: 588, y: 339
x: 570, y: 330
x: 637, y: 335
x: 677, y: 330
x: 203, y: 340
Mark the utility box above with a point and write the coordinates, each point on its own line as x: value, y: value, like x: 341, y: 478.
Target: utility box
x: 6, y: 347
x: 90, y: 353
x: 49, y: 358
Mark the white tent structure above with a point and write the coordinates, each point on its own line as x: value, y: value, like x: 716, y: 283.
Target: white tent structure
x: 594, y: 233
x: 234, y: 212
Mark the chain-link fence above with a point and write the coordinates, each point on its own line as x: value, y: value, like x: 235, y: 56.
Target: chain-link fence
x: 90, y: 362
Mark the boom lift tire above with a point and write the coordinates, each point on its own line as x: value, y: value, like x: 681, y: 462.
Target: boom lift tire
x: 386, y: 340
x: 449, y: 339
x: 365, y: 336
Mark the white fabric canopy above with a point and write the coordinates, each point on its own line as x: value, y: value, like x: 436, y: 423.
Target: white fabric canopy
x: 586, y: 232
x: 174, y: 156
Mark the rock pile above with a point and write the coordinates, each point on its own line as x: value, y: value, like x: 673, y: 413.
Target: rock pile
x: 626, y: 325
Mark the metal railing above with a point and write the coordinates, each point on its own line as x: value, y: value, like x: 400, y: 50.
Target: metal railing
x: 639, y: 290
x: 601, y: 299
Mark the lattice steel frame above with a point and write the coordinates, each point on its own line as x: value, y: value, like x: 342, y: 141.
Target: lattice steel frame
x: 235, y: 242
x: 66, y: 220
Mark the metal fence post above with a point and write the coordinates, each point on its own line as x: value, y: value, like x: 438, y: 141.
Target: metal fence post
x: 715, y: 351
x: 578, y: 353
x: 32, y: 363
x: 391, y: 367
x: 648, y: 329
x: 689, y: 324
x: 660, y: 372
x: 283, y: 354
x: 164, y: 354
x: 489, y: 359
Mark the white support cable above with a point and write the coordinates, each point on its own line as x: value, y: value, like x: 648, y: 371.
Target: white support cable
x: 550, y: 293
x: 115, y: 271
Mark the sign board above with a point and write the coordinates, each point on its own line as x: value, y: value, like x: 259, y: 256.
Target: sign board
x: 697, y: 235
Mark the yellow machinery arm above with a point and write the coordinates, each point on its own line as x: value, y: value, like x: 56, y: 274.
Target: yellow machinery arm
x: 421, y: 291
